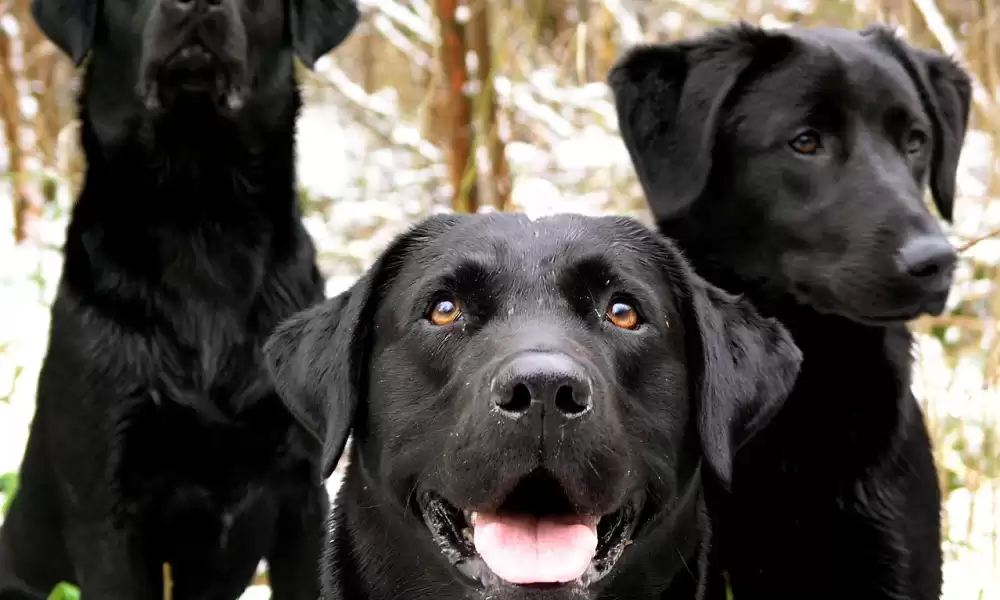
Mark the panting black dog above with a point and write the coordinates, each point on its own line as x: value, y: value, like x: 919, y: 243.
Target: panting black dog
x: 158, y: 437
x: 790, y: 166
x: 531, y: 404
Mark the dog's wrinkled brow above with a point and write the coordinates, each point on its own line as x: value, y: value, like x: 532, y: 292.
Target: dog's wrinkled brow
x: 466, y: 278
x: 593, y: 270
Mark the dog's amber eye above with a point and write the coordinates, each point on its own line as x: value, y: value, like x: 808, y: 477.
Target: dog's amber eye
x: 623, y: 315
x: 915, y: 141
x: 806, y: 143
x: 445, y: 312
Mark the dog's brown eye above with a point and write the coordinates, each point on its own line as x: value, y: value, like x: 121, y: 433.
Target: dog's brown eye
x: 806, y: 143
x: 445, y: 312
x: 623, y: 315
x: 915, y: 141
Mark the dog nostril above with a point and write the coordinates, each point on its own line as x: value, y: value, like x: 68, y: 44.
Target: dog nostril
x: 519, y: 400
x: 928, y: 270
x: 927, y: 257
x: 569, y: 403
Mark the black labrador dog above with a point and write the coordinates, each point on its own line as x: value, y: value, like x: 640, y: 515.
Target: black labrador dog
x: 790, y: 167
x: 531, y: 405
x: 158, y: 438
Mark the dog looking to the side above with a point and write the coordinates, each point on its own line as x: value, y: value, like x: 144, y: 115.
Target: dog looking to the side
x: 531, y: 405
x: 790, y: 166
x: 158, y: 437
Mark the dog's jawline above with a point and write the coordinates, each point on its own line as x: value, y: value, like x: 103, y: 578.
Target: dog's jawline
x: 346, y: 568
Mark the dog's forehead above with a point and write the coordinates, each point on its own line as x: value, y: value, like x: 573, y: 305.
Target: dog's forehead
x: 869, y: 73
x: 518, y: 244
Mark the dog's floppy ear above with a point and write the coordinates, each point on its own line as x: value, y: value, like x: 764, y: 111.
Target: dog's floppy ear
x: 946, y: 93
x: 748, y: 367
x: 319, y: 26
x: 319, y: 357
x: 315, y: 358
x: 70, y: 24
x: 950, y: 93
x: 670, y: 98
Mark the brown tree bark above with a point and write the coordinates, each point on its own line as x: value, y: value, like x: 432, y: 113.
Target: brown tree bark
x: 459, y: 147
x: 498, y: 184
x: 26, y: 211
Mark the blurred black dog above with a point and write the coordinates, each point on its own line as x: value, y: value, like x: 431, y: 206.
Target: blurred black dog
x: 158, y: 436
x: 790, y: 166
x: 531, y: 404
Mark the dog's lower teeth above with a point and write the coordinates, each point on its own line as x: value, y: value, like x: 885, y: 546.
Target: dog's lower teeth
x: 467, y: 534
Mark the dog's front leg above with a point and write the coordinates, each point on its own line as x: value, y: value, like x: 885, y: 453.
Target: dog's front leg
x: 294, y: 558
x: 108, y: 564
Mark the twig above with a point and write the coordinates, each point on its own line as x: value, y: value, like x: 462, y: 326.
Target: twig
x: 628, y: 24
x: 969, y: 244
x: 396, y: 37
x: 379, y: 113
x: 168, y: 582
x: 407, y: 18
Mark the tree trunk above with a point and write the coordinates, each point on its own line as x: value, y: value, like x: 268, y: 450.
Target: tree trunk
x: 26, y: 211
x: 497, y: 186
x: 458, y: 152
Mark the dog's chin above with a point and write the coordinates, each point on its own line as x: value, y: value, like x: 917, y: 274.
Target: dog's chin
x: 905, y: 308
x: 533, y: 545
x: 193, y: 77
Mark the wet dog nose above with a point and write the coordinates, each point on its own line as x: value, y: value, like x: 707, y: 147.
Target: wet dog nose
x: 537, y: 380
x: 929, y: 259
x: 190, y: 5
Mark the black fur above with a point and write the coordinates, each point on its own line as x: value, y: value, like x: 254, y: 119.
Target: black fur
x: 838, y: 496
x: 691, y: 383
x: 158, y: 436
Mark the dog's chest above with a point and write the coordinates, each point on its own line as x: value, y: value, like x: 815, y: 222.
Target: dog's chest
x: 203, y: 483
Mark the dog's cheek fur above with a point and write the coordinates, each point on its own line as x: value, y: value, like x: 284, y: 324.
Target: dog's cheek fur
x: 407, y: 422
x: 660, y: 413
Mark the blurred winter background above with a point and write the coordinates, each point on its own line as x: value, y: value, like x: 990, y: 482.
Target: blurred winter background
x: 437, y: 105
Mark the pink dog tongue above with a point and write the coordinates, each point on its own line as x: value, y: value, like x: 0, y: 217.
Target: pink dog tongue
x: 523, y: 550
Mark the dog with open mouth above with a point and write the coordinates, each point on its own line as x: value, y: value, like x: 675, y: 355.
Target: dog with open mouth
x: 533, y: 407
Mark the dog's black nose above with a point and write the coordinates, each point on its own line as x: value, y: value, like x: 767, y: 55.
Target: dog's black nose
x: 929, y: 259
x: 549, y: 380
x: 186, y: 5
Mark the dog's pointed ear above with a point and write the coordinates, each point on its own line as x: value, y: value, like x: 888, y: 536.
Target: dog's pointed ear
x: 319, y: 26
x: 315, y: 358
x: 70, y: 24
x: 670, y: 99
x: 946, y: 92
x: 749, y: 365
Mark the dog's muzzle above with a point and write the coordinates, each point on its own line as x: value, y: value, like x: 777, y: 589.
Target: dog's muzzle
x: 195, y: 53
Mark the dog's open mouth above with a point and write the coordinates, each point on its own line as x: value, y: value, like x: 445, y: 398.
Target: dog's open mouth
x: 535, y: 538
